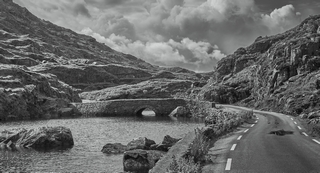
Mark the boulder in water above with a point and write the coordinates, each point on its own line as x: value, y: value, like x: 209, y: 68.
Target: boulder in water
x: 140, y: 143
x: 141, y: 161
x: 115, y: 148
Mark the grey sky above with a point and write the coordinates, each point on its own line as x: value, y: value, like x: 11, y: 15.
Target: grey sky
x: 188, y: 33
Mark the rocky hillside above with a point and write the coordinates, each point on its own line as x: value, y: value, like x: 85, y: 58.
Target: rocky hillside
x: 47, y: 48
x: 279, y: 73
x: 44, y: 67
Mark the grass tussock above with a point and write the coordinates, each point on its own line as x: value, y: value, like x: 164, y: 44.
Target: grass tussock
x: 183, y: 165
x: 199, y: 147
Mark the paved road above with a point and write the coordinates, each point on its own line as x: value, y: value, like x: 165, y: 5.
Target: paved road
x: 255, y: 150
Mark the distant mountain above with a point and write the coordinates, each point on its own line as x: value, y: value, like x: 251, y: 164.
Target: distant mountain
x: 279, y: 73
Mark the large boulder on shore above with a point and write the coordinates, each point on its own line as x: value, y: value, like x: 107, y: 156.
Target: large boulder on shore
x: 141, y: 161
x: 140, y: 143
x: 42, y: 138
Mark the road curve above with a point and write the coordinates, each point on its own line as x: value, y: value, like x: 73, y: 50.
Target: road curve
x: 258, y: 151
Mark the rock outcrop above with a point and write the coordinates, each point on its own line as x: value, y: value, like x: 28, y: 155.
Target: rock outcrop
x: 29, y: 95
x: 278, y: 73
x: 43, y: 138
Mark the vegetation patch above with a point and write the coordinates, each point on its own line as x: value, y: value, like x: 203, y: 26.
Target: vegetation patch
x: 217, y: 124
x: 312, y: 126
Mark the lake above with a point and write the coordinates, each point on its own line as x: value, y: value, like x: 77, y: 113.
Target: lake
x: 90, y: 135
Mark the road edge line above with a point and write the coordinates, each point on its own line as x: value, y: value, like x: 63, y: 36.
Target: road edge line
x: 316, y: 141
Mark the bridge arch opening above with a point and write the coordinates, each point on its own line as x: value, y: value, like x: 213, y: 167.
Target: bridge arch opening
x: 145, y: 111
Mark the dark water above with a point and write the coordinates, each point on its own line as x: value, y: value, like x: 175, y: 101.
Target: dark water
x: 90, y: 135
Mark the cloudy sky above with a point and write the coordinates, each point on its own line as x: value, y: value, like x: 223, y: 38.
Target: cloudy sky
x: 193, y: 34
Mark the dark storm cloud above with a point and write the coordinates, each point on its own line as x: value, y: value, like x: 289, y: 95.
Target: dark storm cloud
x: 80, y: 9
x: 105, y: 3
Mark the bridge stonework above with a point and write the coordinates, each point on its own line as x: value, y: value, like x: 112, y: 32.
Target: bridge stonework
x: 129, y: 107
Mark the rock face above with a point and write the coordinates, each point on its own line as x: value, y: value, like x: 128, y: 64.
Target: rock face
x: 44, y: 138
x: 29, y: 95
x: 279, y: 73
x: 140, y: 161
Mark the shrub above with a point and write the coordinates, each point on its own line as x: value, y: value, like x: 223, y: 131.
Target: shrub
x: 183, y: 166
x: 246, y: 115
x: 198, y: 148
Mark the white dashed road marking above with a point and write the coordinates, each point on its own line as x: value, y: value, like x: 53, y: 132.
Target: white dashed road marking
x: 295, y: 122
x: 304, y: 134
x: 246, y: 131
x: 299, y: 127
x: 316, y: 141
x: 256, y: 122
x: 233, y: 147
x: 228, y: 166
x: 252, y: 125
x: 291, y: 118
x: 239, y: 137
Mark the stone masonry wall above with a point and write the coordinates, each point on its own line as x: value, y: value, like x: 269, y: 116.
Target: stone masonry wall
x: 128, y: 107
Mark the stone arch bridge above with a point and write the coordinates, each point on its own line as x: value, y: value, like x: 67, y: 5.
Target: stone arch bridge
x: 130, y: 107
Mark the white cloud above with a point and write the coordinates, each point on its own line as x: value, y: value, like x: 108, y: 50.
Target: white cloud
x: 281, y: 19
x: 164, y: 53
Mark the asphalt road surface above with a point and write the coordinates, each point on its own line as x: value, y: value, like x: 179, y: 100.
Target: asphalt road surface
x: 255, y: 150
